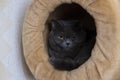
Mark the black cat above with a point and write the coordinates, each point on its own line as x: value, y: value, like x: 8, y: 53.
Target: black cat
x: 68, y: 44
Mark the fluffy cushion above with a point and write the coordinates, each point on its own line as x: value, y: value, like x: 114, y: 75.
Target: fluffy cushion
x: 104, y: 64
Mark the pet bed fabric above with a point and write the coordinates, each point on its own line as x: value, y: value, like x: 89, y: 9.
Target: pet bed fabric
x: 104, y: 64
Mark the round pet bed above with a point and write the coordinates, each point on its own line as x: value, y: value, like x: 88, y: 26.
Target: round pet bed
x: 104, y: 63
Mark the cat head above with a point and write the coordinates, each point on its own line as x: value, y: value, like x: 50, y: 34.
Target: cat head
x: 67, y: 34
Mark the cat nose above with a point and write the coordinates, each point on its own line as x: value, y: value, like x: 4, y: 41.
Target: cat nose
x: 68, y: 43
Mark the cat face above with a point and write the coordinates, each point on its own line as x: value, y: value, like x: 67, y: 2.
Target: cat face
x: 67, y: 34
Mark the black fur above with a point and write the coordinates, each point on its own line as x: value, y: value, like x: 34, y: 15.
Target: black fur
x: 69, y: 45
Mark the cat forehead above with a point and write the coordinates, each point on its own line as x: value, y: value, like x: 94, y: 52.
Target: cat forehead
x: 66, y: 26
x: 68, y: 23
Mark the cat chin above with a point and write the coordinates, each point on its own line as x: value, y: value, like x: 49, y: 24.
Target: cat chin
x: 67, y: 49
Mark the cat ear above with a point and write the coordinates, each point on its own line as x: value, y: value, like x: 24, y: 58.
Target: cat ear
x: 79, y: 25
x: 54, y: 23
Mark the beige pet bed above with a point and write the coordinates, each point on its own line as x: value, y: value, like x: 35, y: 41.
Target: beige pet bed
x: 104, y: 64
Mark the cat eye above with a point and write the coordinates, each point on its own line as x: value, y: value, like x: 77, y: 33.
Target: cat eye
x: 73, y: 36
x: 60, y: 37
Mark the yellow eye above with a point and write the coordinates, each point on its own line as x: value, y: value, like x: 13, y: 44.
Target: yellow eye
x: 60, y: 37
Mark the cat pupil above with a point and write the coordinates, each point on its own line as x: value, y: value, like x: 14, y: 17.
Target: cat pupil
x: 74, y: 36
x: 61, y: 37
